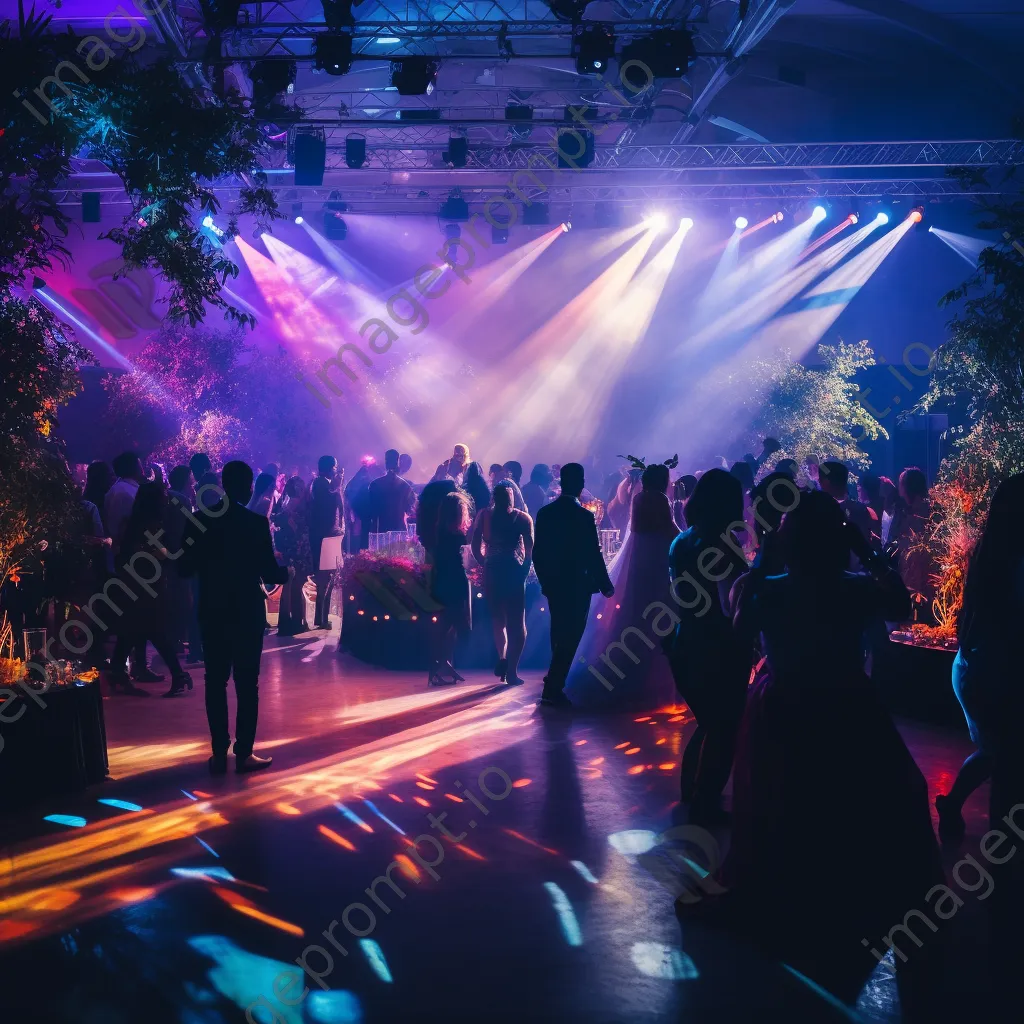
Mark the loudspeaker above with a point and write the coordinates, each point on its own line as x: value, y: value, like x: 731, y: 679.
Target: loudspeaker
x: 355, y: 151
x: 575, y: 147
x: 90, y: 207
x: 310, y: 159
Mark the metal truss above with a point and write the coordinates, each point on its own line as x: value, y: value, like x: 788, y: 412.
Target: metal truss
x: 414, y: 146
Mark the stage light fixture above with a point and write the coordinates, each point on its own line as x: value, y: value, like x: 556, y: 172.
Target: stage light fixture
x: 414, y: 76
x: 666, y: 53
x: 917, y: 214
x: 335, y: 227
x: 454, y: 208
x: 593, y: 46
x: 269, y: 79
x: 299, y: 219
x: 882, y: 218
x: 686, y: 223
x: 332, y: 52
x: 930, y: 229
x: 568, y: 10
x: 779, y: 217
x: 854, y: 218
x: 566, y: 226
x: 741, y: 223
x: 819, y: 213
x: 458, y: 151
x: 656, y: 222
x: 208, y: 221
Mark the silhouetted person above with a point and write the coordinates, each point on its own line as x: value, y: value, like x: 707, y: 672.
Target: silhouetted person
x: 231, y: 552
x: 474, y: 484
x: 536, y: 492
x: 326, y: 529
x: 570, y: 567
x: 833, y: 479
x: 391, y: 498
x: 200, y: 465
x: 709, y: 667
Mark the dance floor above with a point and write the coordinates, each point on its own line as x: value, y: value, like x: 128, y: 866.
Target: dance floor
x: 168, y: 895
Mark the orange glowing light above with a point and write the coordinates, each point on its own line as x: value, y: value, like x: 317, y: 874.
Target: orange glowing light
x: 526, y: 839
x: 375, y: 618
x: 396, y: 798
x: 646, y: 718
x: 632, y: 750
x: 677, y: 718
x: 360, y: 612
x: 425, y: 785
x: 579, y: 743
x: 53, y: 899
x: 520, y: 783
x: 635, y: 770
x: 421, y: 801
x: 472, y: 853
x: 658, y: 743
x: 137, y: 895
x: 335, y: 838
x: 916, y: 217
x: 597, y: 760
x: 599, y: 615
x: 619, y: 746
x: 457, y: 799
x: 283, y: 808
x: 247, y: 907
x: 15, y: 929
x: 667, y: 766
x: 426, y: 778
x: 408, y: 868
x: 202, y: 795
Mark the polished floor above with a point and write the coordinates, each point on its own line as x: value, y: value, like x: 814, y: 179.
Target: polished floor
x: 168, y: 895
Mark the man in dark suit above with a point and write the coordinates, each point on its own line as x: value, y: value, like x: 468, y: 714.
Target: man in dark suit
x: 392, y: 499
x: 230, y: 550
x: 571, y: 569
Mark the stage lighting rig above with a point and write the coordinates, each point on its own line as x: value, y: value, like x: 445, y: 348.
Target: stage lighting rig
x: 568, y: 10
x: 338, y: 13
x: 269, y: 79
x: 593, y: 46
x: 414, y: 76
x: 332, y: 52
x: 665, y: 53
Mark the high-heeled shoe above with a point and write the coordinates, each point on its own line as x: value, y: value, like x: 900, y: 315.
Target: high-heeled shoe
x: 121, y: 681
x: 450, y: 669
x: 436, y: 678
x: 179, y: 684
x: 501, y: 669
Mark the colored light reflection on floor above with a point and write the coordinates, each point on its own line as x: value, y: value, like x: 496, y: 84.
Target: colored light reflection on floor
x: 584, y: 872
x: 566, y: 915
x: 204, y: 874
x: 124, y: 805
x: 334, y: 837
x: 71, y: 820
x: 383, y: 817
x: 633, y: 841
x: 353, y: 817
x: 249, y: 909
x: 375, y: 957
x: 526, y: 839
x: 656, y: 960
x: 206, y: 846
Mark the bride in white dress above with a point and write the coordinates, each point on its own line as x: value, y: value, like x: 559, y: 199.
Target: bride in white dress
x: 620, y: 660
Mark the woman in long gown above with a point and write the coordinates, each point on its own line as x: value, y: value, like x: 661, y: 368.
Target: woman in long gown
x: 832, y: 842
x: 292, y: 540
x: 449, y: 586
x: 634, y: 672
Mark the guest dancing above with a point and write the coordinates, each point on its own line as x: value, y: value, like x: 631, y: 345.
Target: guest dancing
x: 503, y: 544
x: 450, y: 586
x: 621, y: 658
x: 985, y: 663
x: 823, y: 778
x: 710, y: 669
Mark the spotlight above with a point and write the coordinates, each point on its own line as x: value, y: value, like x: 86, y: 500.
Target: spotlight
x: 656, y: 222
x: 741, y: 223
x: 854, y: 218
x: 593, y: 46
x: 207, y: 221
x: 686, y: 223
x: 666, y: 53
x: 779, y: 217
x: 882, y: 218
x: 299, y: 219
x: 414, y: 76
x: 930, y: 229
x: 819, y: 213
x: 332, y: 52
x: 917, y: 214
x: 566, y: 225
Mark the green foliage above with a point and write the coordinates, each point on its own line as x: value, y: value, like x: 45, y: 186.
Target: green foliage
x: 811, y: 412
x: 38, y: 374
x: 147, y: 122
